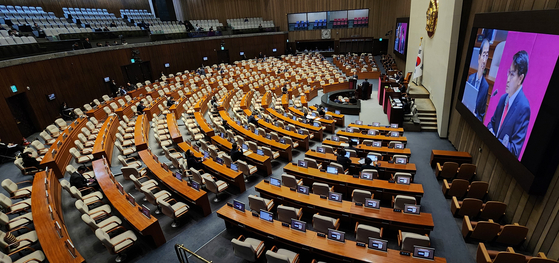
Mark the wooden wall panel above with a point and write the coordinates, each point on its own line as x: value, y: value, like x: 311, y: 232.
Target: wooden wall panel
x: 112, y: 6
x: 382, y: 15
x: 538, y: 213
x: 78, y: 79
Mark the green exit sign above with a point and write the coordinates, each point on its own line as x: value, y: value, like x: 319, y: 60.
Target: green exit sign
x: 13, y: 87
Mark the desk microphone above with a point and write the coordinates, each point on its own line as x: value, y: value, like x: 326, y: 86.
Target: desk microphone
x: 494, y: 93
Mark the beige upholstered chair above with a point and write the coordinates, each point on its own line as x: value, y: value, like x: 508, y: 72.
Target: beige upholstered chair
x: 173, y: 209
x: 321, y: 189
x: 285, y: 213
x: 407, y: 240
x: 216, y: 187
x: 35, y: 256
x: 399, y: 201
x: 10, y: 207
x: 281, y: 255
x: 322, y: 223
x: 15, y: 191
x: 23, y: 240
x: 248, y: 248
x: 117, y: 244
x: 97, y: 212
x: 290, y: 181
x: 154, y: 195
x: 363, y: 232
x: 256, y: 203
x: 360, y: 195
x: 16, y: 222
x: 107, y: 224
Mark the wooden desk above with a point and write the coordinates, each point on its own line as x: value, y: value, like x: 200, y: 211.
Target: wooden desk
x: 201, y: 121
x: 173, y: 128
x: 266, y: 100
x: 246, y: 100
x: 385, y: 139
x: 178, y: 108
x: 340, y: 118
x: 154, y: 108
x: 329, y: 124
x: 334, y: 87
x: 345, y: 184
x: 127, y: 109
x: 141, y: 131
x: 382, y: 129
x: 284, y: 149
x: 384, y: 168
x: 317, y: 131
x: 302, y: 139
x: 58, y: 155
x: 130, y: 213
x: 368, y: 75
x: 105, y: 141
x: 309, y: 242
x: 347, y: 211
x: 363, y: 150
x: 441, y: 156
x: 231, y: 177
x: 197, y: 198
x: 312, y: 93
x: 382, y: 89
x: 98, y: 112
x: 263, y: 163
x: 52, y: 244
x: 285, y: 101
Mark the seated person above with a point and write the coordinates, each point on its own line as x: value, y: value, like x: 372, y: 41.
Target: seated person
x: 30, y: 161
x: 235, y: 153
x: 368, y: 164
x: 66, y: 112
x: 321, y: 112
x: 140, y: 108
x: 10, y: 149
x: 341, y: 159
x: 121, y: 91
x: 78, y: 180
x: 284, y: 90
x: 170, y: 101
x: 252, y: 119
x: 193, y: 161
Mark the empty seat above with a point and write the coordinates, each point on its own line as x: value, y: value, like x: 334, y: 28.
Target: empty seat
x: 482, y: 230
x: 14, y: 189
x: 248, y: 248
x: 285, y: 213
x: 508, y: 256
x: 360, y: 195
x: 493, y: 210
x: 512, y: 234
x: 18, y: 243
x: 468, y: 207
x: 363, y: 232
x: 35, y: 256
x: 407, y: 240
x: 399, y: 201
x: 477, y: 189
x: 447, y: 171
x: 256, y: 203
x: 321, y: 189
x: 290, y: 181
x: 322, y: 223
x: 107, y: 223
x: 9, y: 206
x: 15, y: 222
x: 457, y: 188
x: 281, y: 255
x: 467, y: 171
x: 216, y: 187
x: 118, y: 243
x: 173, y: 209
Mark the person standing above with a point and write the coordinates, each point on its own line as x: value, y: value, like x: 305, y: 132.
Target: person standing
x: 479, y: 82
x: 235, y: 153
x: 113, y: 87
x: 365, y: 86
x: 86, y: 43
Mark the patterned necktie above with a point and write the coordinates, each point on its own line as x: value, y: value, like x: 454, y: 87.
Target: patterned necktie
x: 504, y: 114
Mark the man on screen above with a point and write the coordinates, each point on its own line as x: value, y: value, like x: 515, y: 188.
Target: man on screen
x: 478, y: 81
x: 512, y: 115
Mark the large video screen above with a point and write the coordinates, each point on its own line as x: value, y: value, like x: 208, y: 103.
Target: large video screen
x: 401, y: 37
x: 508, y: 78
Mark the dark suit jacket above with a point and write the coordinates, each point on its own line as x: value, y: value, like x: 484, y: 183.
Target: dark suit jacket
x: 344, y: 161
x: 77, y: 180
x: 236, y: 155
x: 515, y: 124
x: 481, y: 101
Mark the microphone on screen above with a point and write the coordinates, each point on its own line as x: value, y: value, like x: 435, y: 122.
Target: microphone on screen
x: 494, y: 93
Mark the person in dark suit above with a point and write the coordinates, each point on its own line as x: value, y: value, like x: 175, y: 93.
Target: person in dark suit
x: 113, y: 87
x: 86, y: 43
x: 252, y: 119
x: 140, y: 108
x: 30, y: 161
x: 170, y: 101
x: 235, y: 153
x: 365, y: 90
x: 341, y: 159
x: 193, y: 161
x: 78, y: 180
x: 512, y: 115
x: 478, y: 80
x: 368, y: 164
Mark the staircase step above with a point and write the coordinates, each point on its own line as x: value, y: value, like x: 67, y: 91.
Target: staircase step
x: 428, y: 129
x: 429, y: 124
x: 428, y: 119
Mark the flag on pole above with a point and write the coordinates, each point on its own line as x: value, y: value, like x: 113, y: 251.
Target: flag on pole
x: 418, y: 72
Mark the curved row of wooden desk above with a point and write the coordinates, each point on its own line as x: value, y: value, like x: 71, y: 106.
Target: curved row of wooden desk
x: 329, y: 124
x: 347, y: 211
x: 49, y: 221
x: 340, y: 118
x: 58, y: 155
x: 302, y: 139
x: 173, y: 128
x: 363, y: 149
x: 381, y: 129
x: 105, y: 141
x: 309, y: 242
x: 141, y: 131
x: 345, y: 184
x: 223, y: 172
x: 384, y: 168
x: 385, y: 139
x: 283, y: 149
x: 263, y: 163
x: 131, y: 213
x: 317, y: 131
x: 126, y: 110
x: 198, y: 198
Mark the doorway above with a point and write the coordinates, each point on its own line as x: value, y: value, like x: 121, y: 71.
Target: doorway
x: 137, y: 72
x: 22, y: 113
x: 223, y: 56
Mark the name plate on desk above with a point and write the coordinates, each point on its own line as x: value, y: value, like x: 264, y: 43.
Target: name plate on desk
x: 391, y: 181
x: 359, y: 244
x: 292, y: 189
x: 323, y: 197
x: 320, y: 235
x: 285, y: 224
x: 403, y: 253
x: 355, y: 176
x: 266, y: 181
x: 255, y: 214
x: 397, y: 210
x: 358, y: 204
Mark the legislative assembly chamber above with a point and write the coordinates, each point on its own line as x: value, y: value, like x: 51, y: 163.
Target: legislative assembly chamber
x: 279, y: 131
